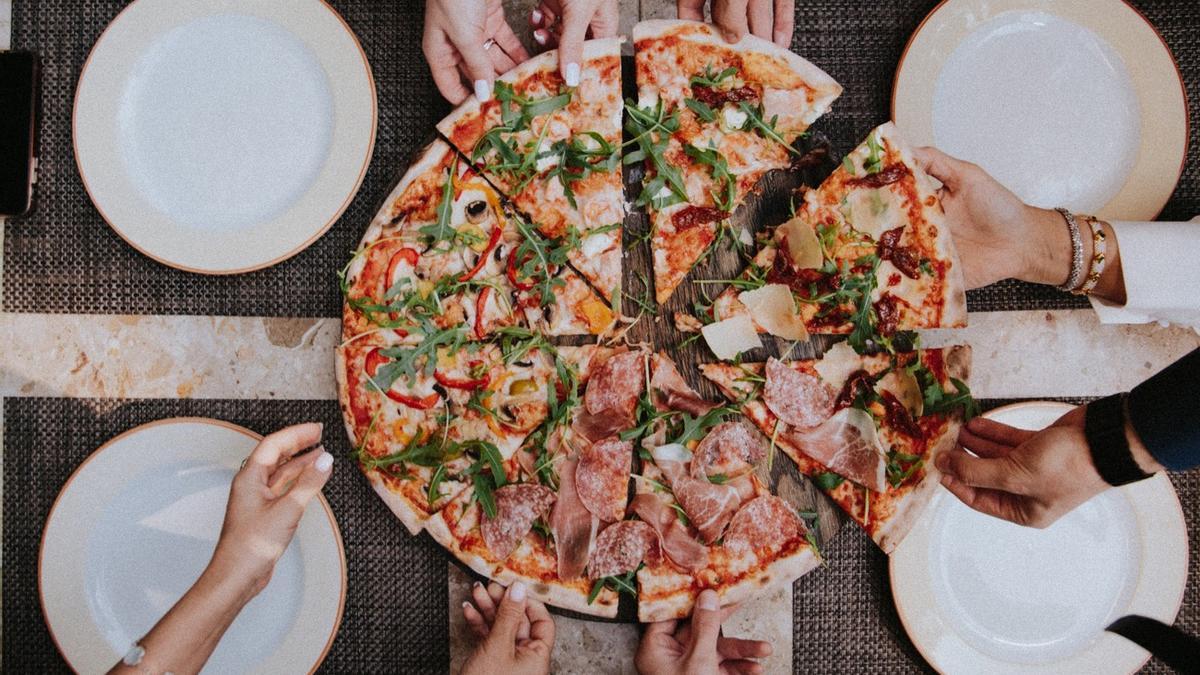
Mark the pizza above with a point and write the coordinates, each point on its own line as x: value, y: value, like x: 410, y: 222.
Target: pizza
x: 711, y: 119
x: 493, y: 402
x: 867, y: 253
x: 555, y: 151
x: 866, y: 428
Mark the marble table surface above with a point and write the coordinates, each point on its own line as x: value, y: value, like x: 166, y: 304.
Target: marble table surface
x: 245, y: 357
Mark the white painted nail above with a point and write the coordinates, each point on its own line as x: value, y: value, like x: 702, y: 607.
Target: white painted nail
x: 571, y: 75
x: 483, y: 91
x: 324, y: 463
x: 708, y: 600
x: 539, y: 36
x: 535, y: 17
x: 517, y: 591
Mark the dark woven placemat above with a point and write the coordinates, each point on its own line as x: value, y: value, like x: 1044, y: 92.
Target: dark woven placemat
x: 395, y: 616
x: 844, y: 618
x: 63, y: 258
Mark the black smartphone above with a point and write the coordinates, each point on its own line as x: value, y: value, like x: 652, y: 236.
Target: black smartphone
x: 18, y: 129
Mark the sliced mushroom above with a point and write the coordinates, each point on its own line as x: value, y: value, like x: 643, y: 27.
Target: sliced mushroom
x: 477, y: 211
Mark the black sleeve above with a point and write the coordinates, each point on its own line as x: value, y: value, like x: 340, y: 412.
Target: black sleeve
x: 1165, y: 412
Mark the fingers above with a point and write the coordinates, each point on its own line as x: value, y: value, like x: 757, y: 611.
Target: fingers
x: 570, y: 44
x: 690, y: 10
x: 443, y: 65
x: 982, y: 427
x: 939, y: 165
x: 475, y: 620
x: 477, y: 66
x: 541, y: 624
x: 785, y: 22
x: 510, y: 614
x: 606, y: 22
x: 737, y: 648
x: 484, y: 600
x: 281, y: 479
x: 983, y: 447
x: 731, y: 18
x: 995, y: 473
x: 310, y: 481
x: 761, y: 15
x: 281, y: 445
x: 511, y: 44
x: 500, y: 61
x: 741, y: 667
x: 706, y: 622
x: 995, y: 503
x: 660, y: 628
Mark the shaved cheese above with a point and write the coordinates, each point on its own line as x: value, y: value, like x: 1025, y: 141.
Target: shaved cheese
x: 903, y: 385
x: 838, y: 363
x: 745, y: 237
x: 803, y: 246
x: 865, y: 424
x: 733, y: 117
x: 773, y: 308
x: 671, y: 452
x: 873, y: 210
x: 731, y: 337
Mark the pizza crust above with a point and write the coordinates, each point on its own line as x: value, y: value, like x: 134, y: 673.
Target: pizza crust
x: 563, y: 597
x: 412, y: 518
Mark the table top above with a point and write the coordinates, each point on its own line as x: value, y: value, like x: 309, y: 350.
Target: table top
x: 71, y: 355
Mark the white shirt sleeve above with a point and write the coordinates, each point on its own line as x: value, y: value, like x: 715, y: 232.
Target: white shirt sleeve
x: 1161, y: 266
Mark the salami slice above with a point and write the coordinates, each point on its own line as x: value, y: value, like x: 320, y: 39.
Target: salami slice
x: 517, y: 506
x: 602, y: 477
x: 729, y: 449
x: 621, y: 547
x: 616, y: 385
x: 798, y: 399
x: 766, y: 522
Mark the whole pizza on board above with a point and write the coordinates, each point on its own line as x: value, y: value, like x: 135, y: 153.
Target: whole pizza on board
x: 594, y: 470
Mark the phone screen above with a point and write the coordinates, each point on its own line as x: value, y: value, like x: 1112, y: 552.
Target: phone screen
x: 18, y: 85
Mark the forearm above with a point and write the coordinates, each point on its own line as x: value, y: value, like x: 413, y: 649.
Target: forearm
x: 186, y: 636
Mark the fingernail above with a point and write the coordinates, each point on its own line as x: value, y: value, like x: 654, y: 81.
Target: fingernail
x: 572, y: 75
x: 466, y: 605
x: 517, y: 591
x: 947, y: 480
x: 324, y: 463
x: 539, y: 36
x: 477, y: 584
x: 535, y: 17
x: 482, y: 91
x: 731, y: 37
x: 941, y: 462
x: 708, y: 600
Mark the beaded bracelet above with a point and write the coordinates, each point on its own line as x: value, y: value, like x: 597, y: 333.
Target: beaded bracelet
x: 1099, y: 249
x: 1076, y: 276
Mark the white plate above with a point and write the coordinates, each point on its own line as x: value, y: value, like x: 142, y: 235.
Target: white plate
x: 135, y: 525
x: 222, y: 136
x: 981, y: 595
x: 1074, y: 103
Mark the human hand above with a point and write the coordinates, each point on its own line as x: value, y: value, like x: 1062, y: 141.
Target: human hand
x: 456, y: 32
x: 772, y: 20
x: 697, y: 646
x: 515, y: 634
x: 1030, y: 478
x: 566, y: 23
x: 997, y: 235
x: 267, y: 499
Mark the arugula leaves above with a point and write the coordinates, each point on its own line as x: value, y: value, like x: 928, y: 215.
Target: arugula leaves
x: 765, y: 128
x: 874, y: 163
x: 828, y: 480
x: 651, y: 130
x: 937, y: 399
x: 726, y: 194
x: 623, y: 583
x: 712, y: 78
x: 441, y: 230
x: 408, y: 362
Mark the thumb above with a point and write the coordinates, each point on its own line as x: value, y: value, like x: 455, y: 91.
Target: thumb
x: 706, y: 622
x: 939, y: 165
x: 509, y: 615
x: 570, y: 44
x: 310, y: 481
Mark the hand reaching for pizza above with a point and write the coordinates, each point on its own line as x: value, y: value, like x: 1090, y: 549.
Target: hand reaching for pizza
x: 772, y: 20
x: 515, y: 633
x: 468, y: 39
x: 697, y: 646
x: 566, y: 23
x: 1030, y: 478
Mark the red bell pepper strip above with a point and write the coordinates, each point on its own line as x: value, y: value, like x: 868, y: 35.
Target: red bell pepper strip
x: 374, y: 360
x: 408, y: 255
x: 468, y: 383
x: 513, y: 273
x: 492, y: 241
x: 480, y: 305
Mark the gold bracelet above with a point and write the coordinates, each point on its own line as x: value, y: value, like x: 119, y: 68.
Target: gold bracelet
x: 1099, y: 249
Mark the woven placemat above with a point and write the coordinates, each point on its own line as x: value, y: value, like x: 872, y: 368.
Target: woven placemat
x: 845, y: 621
x: 63, y: 258
x: 395, y: 616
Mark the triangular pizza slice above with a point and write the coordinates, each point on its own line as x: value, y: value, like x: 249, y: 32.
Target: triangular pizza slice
x: 711, y: 119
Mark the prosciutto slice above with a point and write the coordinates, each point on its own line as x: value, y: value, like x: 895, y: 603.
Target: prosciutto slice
x: 729, y: 449
x: 767, y: 521
x: 616, y: 385
x: 573, y: 526
x: 517, y: 506
x: 602, y: 477
x: 621, y: 547
x: 848, y: 445
x: 679, y: 546
x: 708, y: 506
x: 672, y: 391
x: 798, y: 399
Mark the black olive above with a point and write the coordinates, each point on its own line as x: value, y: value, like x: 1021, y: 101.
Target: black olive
x: 476, y: 210
x: 440, y: 390
x: 498, y: 255
x: 524, y: 364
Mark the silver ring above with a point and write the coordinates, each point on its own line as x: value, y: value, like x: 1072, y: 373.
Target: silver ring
x: 491, y: 42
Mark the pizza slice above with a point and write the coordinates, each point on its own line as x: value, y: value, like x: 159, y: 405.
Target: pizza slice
x: 866, y: 429
x: 427, y: 418
x: 555, y: 151
x: 867, y: 254
x: 712, y: 118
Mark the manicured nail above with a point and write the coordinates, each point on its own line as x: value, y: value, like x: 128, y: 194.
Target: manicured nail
x: 540, y: 36
x: 517, y: 591
x: 466, y: 605
x: 324, y: 463
x: 483, y: 91
x: 708, y: 600
x: 571, y: 75
x: 477, y: 584
x: 535, y: 17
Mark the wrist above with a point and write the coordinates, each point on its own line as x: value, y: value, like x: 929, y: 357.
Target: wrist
x: 230, y: 582
x: 1048, y: 259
